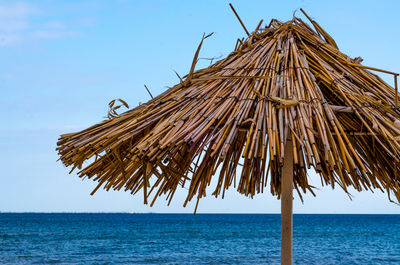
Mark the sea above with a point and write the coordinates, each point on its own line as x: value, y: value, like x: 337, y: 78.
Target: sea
x: 115, y: 238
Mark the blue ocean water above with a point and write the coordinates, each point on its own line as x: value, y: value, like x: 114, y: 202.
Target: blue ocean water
x: 65, y: 238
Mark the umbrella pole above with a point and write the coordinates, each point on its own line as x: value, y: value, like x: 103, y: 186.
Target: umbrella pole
x: 287, y: 205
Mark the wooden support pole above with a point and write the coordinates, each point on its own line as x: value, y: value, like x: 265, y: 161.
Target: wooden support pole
x: 287, y: 205
x: 396, y: 98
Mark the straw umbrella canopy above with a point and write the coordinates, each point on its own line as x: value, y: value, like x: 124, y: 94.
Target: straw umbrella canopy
x: 284, y: 101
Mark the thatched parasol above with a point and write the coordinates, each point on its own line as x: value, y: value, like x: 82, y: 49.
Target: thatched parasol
x: 285, y: 100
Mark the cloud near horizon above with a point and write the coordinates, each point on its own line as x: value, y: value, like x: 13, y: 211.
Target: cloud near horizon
x: 17, y: 25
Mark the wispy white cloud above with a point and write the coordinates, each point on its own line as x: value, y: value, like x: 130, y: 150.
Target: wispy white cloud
x: 12, y: 25
x: 9, y: 39
x: 52, y: 34
x: 15, y: 10
x: 53, y: 25
x: 18, y: 24
x: 13, y: 21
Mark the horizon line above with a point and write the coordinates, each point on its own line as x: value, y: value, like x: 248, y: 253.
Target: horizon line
x: 171, y: 213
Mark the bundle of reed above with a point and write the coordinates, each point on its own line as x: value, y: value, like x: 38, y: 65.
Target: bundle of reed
x: 285, y: 81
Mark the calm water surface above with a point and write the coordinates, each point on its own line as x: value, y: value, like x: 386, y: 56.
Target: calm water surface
x: 201, y: 239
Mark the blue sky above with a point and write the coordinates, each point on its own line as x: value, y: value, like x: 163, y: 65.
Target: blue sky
x: 61, y: 62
